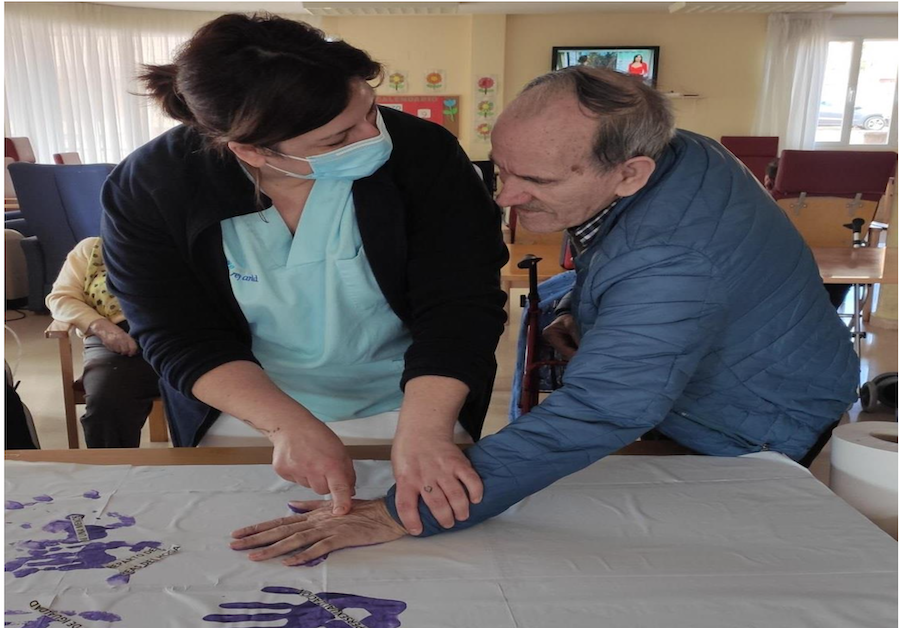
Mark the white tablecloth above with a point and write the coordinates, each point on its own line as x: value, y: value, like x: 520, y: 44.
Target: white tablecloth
x: 634, y: 542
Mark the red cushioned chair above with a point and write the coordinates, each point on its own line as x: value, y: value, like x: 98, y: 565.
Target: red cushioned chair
x: 754, y: 152
x: 823, y: 190
x: 67, y: 159
x: 19, y: 149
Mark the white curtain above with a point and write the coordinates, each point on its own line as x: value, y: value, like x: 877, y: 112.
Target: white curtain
x: 70, y: 74
x: 796, y: 51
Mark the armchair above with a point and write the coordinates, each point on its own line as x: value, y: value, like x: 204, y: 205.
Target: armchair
x: 61, y: 206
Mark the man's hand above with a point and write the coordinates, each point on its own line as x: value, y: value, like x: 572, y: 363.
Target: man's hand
x: 562, y: 334
x: 436, y: 469
x: 320, y: 531
x: 311, y: 455
x: 113, y: 337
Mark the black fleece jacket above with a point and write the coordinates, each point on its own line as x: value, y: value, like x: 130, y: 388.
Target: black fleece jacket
x: 430, y: 230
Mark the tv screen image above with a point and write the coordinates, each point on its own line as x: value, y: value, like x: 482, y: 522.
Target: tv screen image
x: 642, y: 61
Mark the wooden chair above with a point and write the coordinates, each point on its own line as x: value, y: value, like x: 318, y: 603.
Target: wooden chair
x: 821, y: 191
x: 73, y: 390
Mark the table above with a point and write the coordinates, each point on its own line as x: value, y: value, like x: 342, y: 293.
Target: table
x: 859, y: 267
x: 631, y: 541
x: 249, y: 455
x: 864, y: 265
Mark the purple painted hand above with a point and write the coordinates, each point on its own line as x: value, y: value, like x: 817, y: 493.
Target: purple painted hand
x: 67, y: 553
x: 14, y: 505
x: 40, y: 622
x: 320, y: 610
x: 47, y: 622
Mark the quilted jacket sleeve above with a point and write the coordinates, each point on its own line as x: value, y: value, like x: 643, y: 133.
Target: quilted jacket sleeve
x: 657, y: 313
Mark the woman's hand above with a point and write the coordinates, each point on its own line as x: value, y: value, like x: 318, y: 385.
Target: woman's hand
x: 113, y: 337
x: 310, y: 454
x: 436, y: 469
x: 320, y: 531
x: 306, y: 451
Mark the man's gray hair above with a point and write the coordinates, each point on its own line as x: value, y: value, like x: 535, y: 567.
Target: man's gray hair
x: 633, y: 119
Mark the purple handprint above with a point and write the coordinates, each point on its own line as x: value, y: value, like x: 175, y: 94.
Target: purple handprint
x: 40, y: 622
x: 70, y: 554
x: 14, y: 505
x: 320, y: 610
x: 51, y: 616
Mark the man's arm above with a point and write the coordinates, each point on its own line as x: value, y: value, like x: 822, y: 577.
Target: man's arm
x: 658, y: 313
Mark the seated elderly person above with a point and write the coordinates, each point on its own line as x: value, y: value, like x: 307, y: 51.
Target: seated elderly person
x: 119, y: 385
x: 697, y: 311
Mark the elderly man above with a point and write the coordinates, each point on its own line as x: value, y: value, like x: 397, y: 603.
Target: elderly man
x: 698, y: 309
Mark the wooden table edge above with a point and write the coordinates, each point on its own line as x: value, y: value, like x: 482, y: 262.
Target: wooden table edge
x: 249, y: 455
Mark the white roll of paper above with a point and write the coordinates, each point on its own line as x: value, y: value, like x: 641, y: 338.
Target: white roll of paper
x: 864, y: 470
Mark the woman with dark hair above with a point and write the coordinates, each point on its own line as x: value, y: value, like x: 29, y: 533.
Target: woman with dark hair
x: 637, y: 67
x: 298, y: 262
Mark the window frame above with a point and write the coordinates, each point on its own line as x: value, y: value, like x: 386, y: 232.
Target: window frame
x: 850, y: 101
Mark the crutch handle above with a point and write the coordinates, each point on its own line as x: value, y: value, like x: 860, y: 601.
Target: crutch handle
x: 529, y: 261
x: 856, y: 226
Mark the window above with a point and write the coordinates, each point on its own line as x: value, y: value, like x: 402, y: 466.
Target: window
x: 859, y: 95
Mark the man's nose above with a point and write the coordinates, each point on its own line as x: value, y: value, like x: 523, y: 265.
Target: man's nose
x: 512, y: 194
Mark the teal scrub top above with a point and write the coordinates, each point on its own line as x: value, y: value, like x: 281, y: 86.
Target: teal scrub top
x: 322, y: 329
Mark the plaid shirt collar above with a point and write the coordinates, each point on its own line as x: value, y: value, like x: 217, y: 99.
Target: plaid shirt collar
x: 582, y: 235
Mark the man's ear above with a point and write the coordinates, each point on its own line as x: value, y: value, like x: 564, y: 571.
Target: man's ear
x: 250, y: 155
x: 635, y: 173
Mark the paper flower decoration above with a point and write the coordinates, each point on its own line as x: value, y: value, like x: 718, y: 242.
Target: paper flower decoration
x: 486, y: 84
x: 434, y: 80
x: 486, y: 108
x: 450, y: 108
x: 397, y: 81
x: 484, y: 130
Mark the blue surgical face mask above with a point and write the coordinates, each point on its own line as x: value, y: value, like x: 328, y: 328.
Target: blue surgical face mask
x: 355, y: 161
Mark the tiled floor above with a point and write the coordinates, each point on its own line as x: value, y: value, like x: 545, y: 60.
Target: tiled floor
x: 41, y: 388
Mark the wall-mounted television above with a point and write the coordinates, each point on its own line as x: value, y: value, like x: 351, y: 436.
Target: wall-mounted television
x: 640, y: 61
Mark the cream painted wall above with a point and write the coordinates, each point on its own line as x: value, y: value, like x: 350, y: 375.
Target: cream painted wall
x: 488, y: 53
x: 416, y: 44
x: 719, y: 57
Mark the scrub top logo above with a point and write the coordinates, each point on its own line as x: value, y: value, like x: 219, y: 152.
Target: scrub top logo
x: 236, y: 275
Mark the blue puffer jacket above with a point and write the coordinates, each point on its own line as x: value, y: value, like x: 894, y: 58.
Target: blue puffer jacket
x: 703, y: 315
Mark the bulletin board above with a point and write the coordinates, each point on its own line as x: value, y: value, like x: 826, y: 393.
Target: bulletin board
x: 441, y: 109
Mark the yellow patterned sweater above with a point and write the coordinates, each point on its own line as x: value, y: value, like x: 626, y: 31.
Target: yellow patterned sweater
x: 79, y: 295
